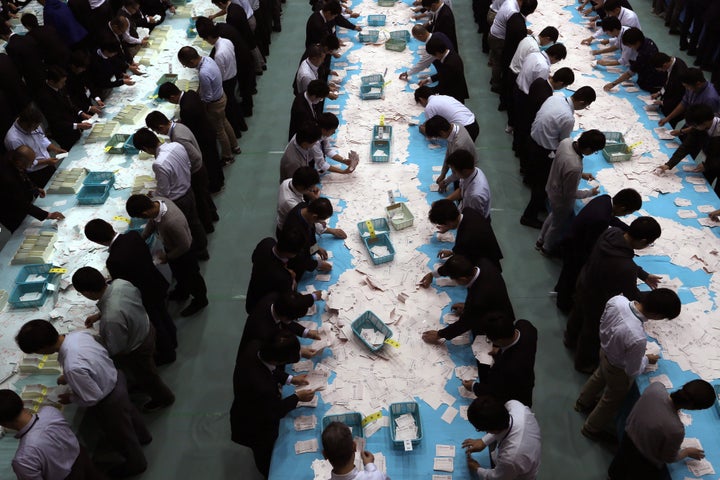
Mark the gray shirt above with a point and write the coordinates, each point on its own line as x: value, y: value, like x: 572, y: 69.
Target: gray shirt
x: 124, y: 324
x: 48, y: 447
x: 459, y: 139
x: 87, y: 368
x: 172, y: 170
x: 183, y: 135
x: 554, y: 122
x: 172, y: 227
x: 654, y: 426
x: 476, y: 192
x: 293, y: 158
x: 565, y: 175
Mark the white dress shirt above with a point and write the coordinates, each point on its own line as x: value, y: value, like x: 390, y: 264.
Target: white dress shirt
x: 48, y: 447
x: 245, y: 4
x: 369, y: 472
x: 536, y: 65
x: 496, y: 4
x: 225, y: 58
x: 626, y: 53
x: 517, y: 455
x: 622, y: 336
x: 554, y: 122
x: 507, y: 10
x: 87, y: 368
x: 287, y: 198
x: 17, y: 137
x: 526, y: 46
x: 450, y: 109
x: 306, y: 73
x: 628, y: 19
x: 476, y: 192
x: 172, y: 170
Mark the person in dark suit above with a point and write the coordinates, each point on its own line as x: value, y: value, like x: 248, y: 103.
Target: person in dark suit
x: 450, y: 71
x: 486, y: 293
x: 107, y: 63
x: 594, y: 218
x: 515, y: 32
x: 258, y: 405
x: 269, y: 271
x: 474, y: 238
x: 132, y: 11
x: 129, y: 258
x: 673, y: 91
x: 54, y: 51
x: 17, y: 192
x: 512, y: 374
x: 26, y: 55
x: 13, y: 85
x: 193, y: 116
x: 307, y: 106
x: 57, y: 14
x: 65, y: 122
x: 322, y: 23
x: 303, y: 217
x: 442, y: 21
x: 236, y: 17
x: 77, y: 85
x: 278, y: 311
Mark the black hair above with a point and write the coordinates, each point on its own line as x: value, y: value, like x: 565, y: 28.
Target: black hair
x: 443, y: 211
x: 694, y: 395
x: 611, y: 5
x: 79, y: 59
x: 333, y: 7
x: 435, y: 125
x: 699, y: 113
x: 328, y: 121
x: 167, y: 90
x: 110, y: 46
x: 610, y: 24
x: 318, y: 88
x: 457, y: 266
x: 145, y: 138
x: 551, y: 33
x: 564, y: 75
x: 99, y: 231
x: 557, y: 50
x: 11, y: 406
x: 88, y: 279
x: 305, y: 177
x: 155, y: 119
x: 314, y: 51
x: 692, y: 76
x: 593, y: 140
x: 119, y: 22
x: 461, y: 160
x: 487, y: 413
x: 321, y: 207
x: 645, y: 228
x: 29, y: 21
x: 55, y: 73
x: 423, y: 92
x: 628, y: 198
x: 130, y: 3
x: 137, y: 204
x: 633, y: 36
x: 528, y: 7
x: 30, y: 116
x: 435, y: 45
x: 659, y: 59
x: 36, y: 335
x: 330, y: 42
x: 338, y: 444
x: 291, y: 240
x: 498, y: 326
x: 428, y: 3
x: 663, y: 302
x: 308, y: 133
x: 283, y: 347
x: 291, y: 304
x: 585, y: 94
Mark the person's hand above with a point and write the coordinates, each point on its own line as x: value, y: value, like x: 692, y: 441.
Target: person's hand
x: 604, y: 41
x: 653, y: 281
x: 655, y: 95
x: 305, y: 395
x: 318, y: 294
x: 299, y: 380
x: 472, y: 464
x: 307, y: 352
x: 594, y: 191
x: 314, y: 335
x: 663, y: 121
x: 694, y: 453
x: 404, y: 76
x: 84, y: 126
x: 458, y: 307
x: 431, y: 336
x: 445, y: 253
x: 128, y: 81
x: 172, y: 9
x: 699, y: 168
x: 367, y: 457
x: 652, y: 358
x: 422, y: 128
x: 354, y: 15
x: 61, y: 380
x: 676, y: 132
x: 663, y: 168
x: 472, y: 446
x: 64, y: 398
x: 144, y: 41
x: 587, y: 41
x: 162, y: 257
x: 85, y: 116
x: 604, y: 63
x: 468, y: 384
x: 608, y: 86
x: 358, y: 28
x: 587, y: 176
x: 339, y: 233
x: 337, y: 54
x: 56, y: 216
x: 324, y: 267
x: 91, y: 319
x: 51, y: 161
x: 322, y: 253
x: 423, y: 82
x: 40, y: 192
x: 426, y: 281
x: 150, y: 19
x: 94, y: 109
x: 714, y: 215
x: 333, y: 95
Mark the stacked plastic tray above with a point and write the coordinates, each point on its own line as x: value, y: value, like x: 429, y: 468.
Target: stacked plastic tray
x: 33, y: 280
x: 374, y: 233
x: 372, y: 87
x: 35, y: 248
x: 351, y: 419
x: 380, y: 144
x: 96, y: 188
x: 616, y: 150
x: 68, y: 181
x: 369, y: 320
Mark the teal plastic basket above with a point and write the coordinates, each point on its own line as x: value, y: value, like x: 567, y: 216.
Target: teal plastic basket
x: 130, y: 147
x: 42, y: 269
x: 379, y: 225
x: 351, y: 419
x: 383, y: 240
x: 100, y: 179
x: 380, y: 151
x: 401, y: 408
x: 400, y: 35
x: 371, y: 36
x: 25, y: 288
x: 370, y: 320
x: 93, y: 194
x: 376, y: 20
x: 382, y: 132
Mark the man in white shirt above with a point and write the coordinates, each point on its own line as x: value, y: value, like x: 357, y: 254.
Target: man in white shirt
x: 496, y: 40
x: 293, y: 190
x: 537, y: 65
x: 308, y: 69
x: 514, y: 432
x: 447, y: 107
x: 328, y: 123
x: 547, y: 37
x: 339, y: 449
x: 614, y: 8
x: 623, y: 356
x: 96, y: 385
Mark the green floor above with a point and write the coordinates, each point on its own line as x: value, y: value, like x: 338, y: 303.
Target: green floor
x: 192, y: 439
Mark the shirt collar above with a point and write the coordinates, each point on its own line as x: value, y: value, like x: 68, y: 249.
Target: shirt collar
x: 477, y: 274
x: 274, y: 315
x: 102, y: 55
x: 114, y: 238
x: 23, y: 431
x: 311, y: 65
x: 161, y: 213
x: 714, y: 127
x: 503, y: 349
x: 269, y: 367
x: 637, y: 312
x: 172, y: 127
x: 282, y: 259
x: 447, y: 52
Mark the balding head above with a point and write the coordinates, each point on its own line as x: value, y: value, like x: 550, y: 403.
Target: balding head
x: 420, y: 33
x: 22, y: 157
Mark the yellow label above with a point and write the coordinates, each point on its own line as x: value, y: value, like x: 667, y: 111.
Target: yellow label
x: 634, y: 145
x: 35, y: 407
x: 370, y: 227
x: 57, y: 270
x: 120, y: 218
x: 107, y: 149
x: 371, y: 418
x: 44, y: 391
x: 392, y: 342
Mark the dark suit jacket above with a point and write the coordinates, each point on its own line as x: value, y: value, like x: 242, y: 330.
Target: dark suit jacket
x: 27, y: 56
x: 75, y: 87
x: 475, y: 238
x: 12, y: 84
x: 316, y: 29
x: 60, y: 114
x: 258, y: 405
x: 102, y: 70
x: 237, y: 18
x: 648, y: 78
x: 194, y: 116
x: 130, y: 259
x: 539, y: 91
x: 260, y: 324
x: 54, y: 51
x: 451, y: 77
x: 487, y: 294
x: 17, y: 193
x: 515, y: 32
x: 444, y: 22
x: 268, y: 274
x: 301, y: 112
x: 243, y: 57
x: 304, y: 261
x: 512, y: 376
x: 674, y: 89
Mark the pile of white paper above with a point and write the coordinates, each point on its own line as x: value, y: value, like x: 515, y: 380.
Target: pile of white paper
x: 405, y: 427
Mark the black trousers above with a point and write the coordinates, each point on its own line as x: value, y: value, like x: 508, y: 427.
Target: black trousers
x: 84, y: 468
x: 630, y: 464
x: 186, y: 271
x: 187, y: 205
x: 538, y: 170
x: 41, y: 177
x: 165, y: 330
x: 233, y: 112
x: 473, y: 130
x: 206, y: 208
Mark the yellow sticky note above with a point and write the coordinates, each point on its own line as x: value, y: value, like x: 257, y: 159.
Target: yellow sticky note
x: 371, y: 418
x: 120, y: 218
x: 392, y: 342
x: 107, y: 149
x: 57, y: 270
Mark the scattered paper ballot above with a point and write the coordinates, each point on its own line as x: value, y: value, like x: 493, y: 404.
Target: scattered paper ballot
x: 312, y: 403
x: 442, y: 477
x: 372, y: 336
x: 449, y: 414
x: 705, y: 208
x: 700, y: 467
x: 322, y: 277
x: 672, y: 144
x: 687, y: 214
x: 481, y: 348
x: 444, y: 450
x: 463, y: 412
x: 465, y: 393
x: 682, y: 202
x: 685, y: 418
x: 664, y: 379
x: 303, y: 366
x: 405, y: 427
x: 434, y: 187
x: 467, y: 372
x: 305, y: 422
x: 380, y: 251
x: 35, y: 278
x: 306, y: 446
x: 444, y: 464
x: 632, y: 89
x: 31, y: 296
x: 663, y: 133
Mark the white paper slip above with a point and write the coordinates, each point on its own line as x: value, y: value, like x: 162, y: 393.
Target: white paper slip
x: 312, y: 403
x: 437, y: 168
x: 707, y: 222
x: 449, y: 414
x: 463, y: 412
x: 61, y: 156
x: 687, y: 214
x: 682, y: 202
x: 689, y: 168
x: 701, y: 188
x: 441, y: 477
x: 303, y: 366
x: 444, y: 464
x: 685, y: 418
x: 663, y: 379
x: 305, y: 422
x: 444, y: 450
x: 672, y: 144
x: 689, y: 442
x: 434, y: 187
x: 706, y: 208
x: 700, y: 467
x: 306, y: 446
x: 59, y: 203
x: 695, y: 180
x: 632, y: 89
x: 323, y: 277
x: 465, y: 393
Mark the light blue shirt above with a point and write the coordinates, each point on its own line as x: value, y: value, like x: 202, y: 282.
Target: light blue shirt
x: 17, y: 137
x: 172, y: 170
x: 476, y: 192
x: 87, y: 368
x: 554, y: 122
x: 210, y: 80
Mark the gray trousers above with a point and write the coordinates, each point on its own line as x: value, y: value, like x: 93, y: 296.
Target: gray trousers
x: 496, y: 46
